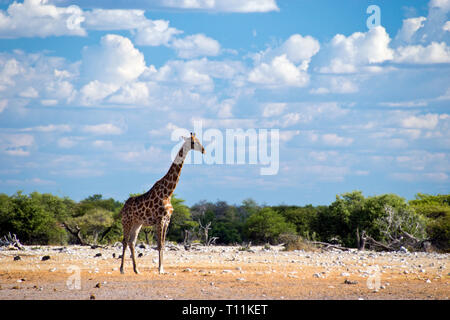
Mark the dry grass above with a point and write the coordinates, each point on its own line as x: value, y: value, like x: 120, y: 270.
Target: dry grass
x: 294, y: 242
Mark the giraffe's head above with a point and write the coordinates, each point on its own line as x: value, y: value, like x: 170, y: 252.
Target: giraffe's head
x: 193, y: 144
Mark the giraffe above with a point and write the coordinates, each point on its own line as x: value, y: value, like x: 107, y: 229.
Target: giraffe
x: 153, y: 208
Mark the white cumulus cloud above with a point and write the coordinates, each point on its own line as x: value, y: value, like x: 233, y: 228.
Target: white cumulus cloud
x: 115, y: 60
x: 223, y: 5
x: 36, y: 18
x: 419, y: 54
x: 353, y: 53
x: 278, y: 72
x: 196, y: 45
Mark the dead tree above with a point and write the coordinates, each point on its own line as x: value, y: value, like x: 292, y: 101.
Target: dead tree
x: 76, y: 232
x: 361, y: 239
x: 187, y: 242
x: 205, y: 231
x: 104, y: 233
x: 212, y: 240
x: 393, y: 226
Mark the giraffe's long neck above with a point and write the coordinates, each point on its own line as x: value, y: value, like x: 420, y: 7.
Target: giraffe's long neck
x: 173, y: 175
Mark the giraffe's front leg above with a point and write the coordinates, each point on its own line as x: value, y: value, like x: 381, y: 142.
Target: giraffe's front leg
x: 161, y: 235
x: 124, y: 249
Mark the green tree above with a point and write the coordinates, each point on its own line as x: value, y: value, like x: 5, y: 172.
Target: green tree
x: 181, y: 220
x: 266, y: 225
x: 28, y: 219
x: 95, y: 221
x: 436, y: 210
x: 304, y: 218
x: 351, y: 213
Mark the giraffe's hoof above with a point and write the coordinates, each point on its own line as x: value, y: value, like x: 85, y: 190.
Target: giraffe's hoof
x: 136, y: 271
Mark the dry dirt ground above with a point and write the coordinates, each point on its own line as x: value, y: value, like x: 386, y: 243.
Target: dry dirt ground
x: 217, y: 272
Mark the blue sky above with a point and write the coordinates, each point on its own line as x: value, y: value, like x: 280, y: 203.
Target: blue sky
x: 90, y: 93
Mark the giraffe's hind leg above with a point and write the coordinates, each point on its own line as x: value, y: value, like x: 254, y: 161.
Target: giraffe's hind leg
x: 134, y: 232
x: 125, y: 240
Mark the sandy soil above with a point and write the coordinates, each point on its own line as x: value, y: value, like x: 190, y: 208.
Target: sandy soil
x: 75, y: 272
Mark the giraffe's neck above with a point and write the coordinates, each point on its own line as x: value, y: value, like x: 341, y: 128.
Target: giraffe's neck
x: 173, y: 175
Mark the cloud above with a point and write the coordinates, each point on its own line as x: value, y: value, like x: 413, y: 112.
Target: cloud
x: 28, y: 76
x: 409, y: 28
x: 3, y: 104
x: 333, y: 139
x: 408, y: 104
x: 9, y: 67
x: 28, y: 182
x: 225, y: 108
x: 16, y: 144
x: 108, y: 66
x: 232, y: 123
x: 196, y: 45
x: 103, y: 144
x: 131, y: 93
x: 36, y: 18
x: 423, y: 31
x: 287, y: 135
x: 29, y: 92
x: 280, y: 72
x: 103, y: 129
x: 95, y: 91
x: 285, y: 65
x: 273, y: 109
x: 436, y: 177
x: 142, y: 155
x: 116, y: 19
x: 323, y: 155
x: 446, y: 26
x: 441, y: 4
x: 428, y: 121
x: 68, y: 142
x: 50, y: 128
x: 155, y: 33
x: 418, y: 54
x: 328, y: 173
x: 297, y: 49
x: 223, y: 5
x: 358, y: 51
x: 115, y: 60
x: 340, y: 85
x: 196, y: 73
x: 424, y: 40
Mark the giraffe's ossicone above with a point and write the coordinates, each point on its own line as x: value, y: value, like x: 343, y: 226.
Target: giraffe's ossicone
x: 153, y: 208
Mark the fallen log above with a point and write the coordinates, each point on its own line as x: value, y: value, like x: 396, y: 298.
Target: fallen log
x: 11, y: 240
